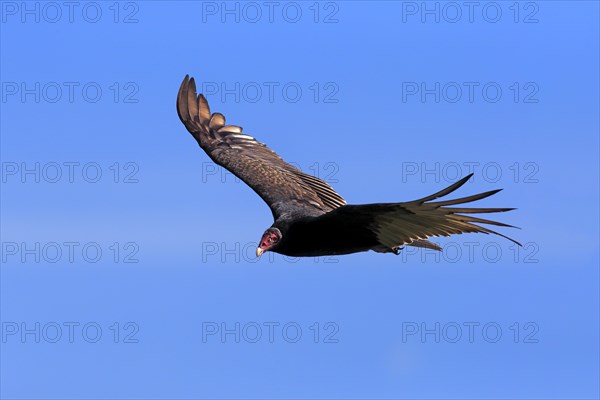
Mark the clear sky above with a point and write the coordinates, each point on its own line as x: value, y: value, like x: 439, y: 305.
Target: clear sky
x: 128, y: 267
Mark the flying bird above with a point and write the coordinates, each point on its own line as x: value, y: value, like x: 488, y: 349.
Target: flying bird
x: 312, y: 219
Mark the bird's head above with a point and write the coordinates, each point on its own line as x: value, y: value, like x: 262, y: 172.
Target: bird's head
x: 269, y: 240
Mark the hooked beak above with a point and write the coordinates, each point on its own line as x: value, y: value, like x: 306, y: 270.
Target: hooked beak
x: 259, y: 252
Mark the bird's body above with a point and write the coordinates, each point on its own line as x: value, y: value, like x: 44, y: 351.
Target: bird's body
x: 317, y: 236
x: 312, y: 219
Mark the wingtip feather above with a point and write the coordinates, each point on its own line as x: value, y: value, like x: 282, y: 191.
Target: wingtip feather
x: 182, y: 109
x: 192, y: 103
x: 447, y: 190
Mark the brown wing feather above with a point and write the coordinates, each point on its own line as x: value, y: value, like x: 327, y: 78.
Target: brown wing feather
x: 282, y: 186
x: 406, y: 223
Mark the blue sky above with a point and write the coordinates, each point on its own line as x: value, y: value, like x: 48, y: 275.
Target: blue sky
x: 127, y: 257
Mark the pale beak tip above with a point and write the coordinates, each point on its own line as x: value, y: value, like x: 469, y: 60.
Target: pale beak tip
x: 259, y: 252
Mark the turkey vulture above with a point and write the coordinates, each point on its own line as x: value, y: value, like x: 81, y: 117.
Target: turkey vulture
x: 312, y: 219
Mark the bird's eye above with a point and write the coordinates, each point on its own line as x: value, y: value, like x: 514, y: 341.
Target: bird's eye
x: 271, y: 239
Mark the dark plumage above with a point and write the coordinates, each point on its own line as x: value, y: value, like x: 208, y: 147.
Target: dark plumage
x: 312, y: 219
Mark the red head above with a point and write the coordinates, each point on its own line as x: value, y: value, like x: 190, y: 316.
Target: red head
x: 269, y: 239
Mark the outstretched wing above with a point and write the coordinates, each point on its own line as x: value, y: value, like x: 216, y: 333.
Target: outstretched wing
x: 392, y: 225
x: 282, y: 186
